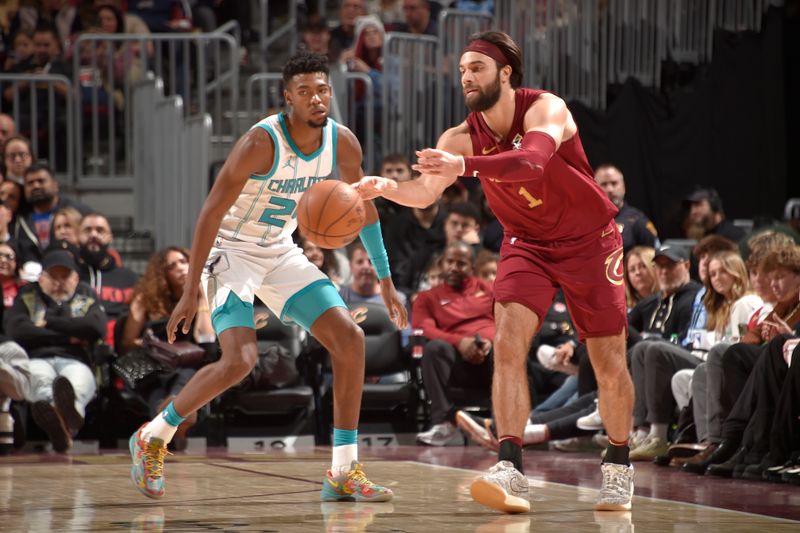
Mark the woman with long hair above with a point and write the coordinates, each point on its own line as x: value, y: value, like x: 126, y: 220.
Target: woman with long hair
x: 728, y: 300
x: 640, y: 274
x: 154, y: 298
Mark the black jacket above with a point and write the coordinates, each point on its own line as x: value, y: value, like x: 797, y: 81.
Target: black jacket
x: 112, y: 283
x: 24, y: 232
x: 636, y: 228
x: 410, y: 247
x: 80, y: 318
x: 641, y: 317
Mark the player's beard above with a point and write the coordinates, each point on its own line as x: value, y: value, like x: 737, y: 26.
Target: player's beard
x: 486, y: 97
x: 320, y: 124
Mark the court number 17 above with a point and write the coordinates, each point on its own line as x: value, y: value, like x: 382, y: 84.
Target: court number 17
x: 532, y: 202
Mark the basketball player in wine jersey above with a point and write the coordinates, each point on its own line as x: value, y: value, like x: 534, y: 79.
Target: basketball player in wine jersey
x: 559, y: 226
x: 243, y: 248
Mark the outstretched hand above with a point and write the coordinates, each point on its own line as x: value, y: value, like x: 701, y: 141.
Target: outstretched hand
x: 184, y: 312
x: 439, y: 163
x: 397, y: 311
x: 370, y: 187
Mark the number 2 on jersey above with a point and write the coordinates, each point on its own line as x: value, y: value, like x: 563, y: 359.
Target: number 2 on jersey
x: 286, y: 206
x: 532, y: 202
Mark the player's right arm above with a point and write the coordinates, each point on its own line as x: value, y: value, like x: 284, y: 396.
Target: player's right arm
x: 253, y: 154
x: 425, y: 189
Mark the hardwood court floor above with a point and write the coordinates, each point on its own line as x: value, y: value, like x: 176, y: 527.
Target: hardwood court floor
x: 280, y: 491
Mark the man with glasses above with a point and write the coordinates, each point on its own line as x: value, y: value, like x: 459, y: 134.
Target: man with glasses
x: 57, y: 320
x: 34, y: 230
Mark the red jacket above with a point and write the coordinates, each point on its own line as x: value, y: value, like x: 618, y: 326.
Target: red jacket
x: 447, y: 314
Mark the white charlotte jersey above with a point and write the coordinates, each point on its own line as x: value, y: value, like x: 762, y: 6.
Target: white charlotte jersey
x: 265, y: 212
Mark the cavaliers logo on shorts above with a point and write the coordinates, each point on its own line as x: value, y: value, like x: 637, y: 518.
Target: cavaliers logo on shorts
x: 614, y: 269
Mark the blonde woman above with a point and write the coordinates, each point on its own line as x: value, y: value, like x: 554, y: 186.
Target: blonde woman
x: 728, y: 300
x: 66, y: 225
x: 640, y: 274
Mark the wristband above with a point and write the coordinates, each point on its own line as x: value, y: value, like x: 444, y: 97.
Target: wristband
x: 373, y: 242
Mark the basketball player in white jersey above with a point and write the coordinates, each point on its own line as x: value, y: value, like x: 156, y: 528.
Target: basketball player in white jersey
x: 243, y: 248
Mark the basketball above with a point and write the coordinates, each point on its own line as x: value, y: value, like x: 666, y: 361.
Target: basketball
x: 330, y: 214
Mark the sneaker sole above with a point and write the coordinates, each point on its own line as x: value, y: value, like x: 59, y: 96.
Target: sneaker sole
x: 612, y: 506
x: 64, y: 398
x: 47, y: 418
x: 493, y: 496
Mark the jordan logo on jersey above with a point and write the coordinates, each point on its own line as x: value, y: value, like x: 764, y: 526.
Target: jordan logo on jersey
x: 516, y: 142
x: 291, y: 162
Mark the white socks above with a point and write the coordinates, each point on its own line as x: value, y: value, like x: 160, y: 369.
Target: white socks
x: 160, y: 429
x: 534, y: 433
x: 343, y: 456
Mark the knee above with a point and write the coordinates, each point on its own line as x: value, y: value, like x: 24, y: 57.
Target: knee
x: 349, y: 339
x: 235, y: 369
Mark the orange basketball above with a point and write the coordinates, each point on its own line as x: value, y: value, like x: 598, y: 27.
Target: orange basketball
x: 330, y: 214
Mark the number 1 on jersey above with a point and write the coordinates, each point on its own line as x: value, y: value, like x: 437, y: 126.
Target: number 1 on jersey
x: 532, y: 202
x: 286, y: 206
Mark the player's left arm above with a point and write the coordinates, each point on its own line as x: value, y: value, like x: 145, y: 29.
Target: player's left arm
x: 348, y: 158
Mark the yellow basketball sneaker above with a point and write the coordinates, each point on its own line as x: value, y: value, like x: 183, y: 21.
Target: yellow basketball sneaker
x: 353, y: 487
x: 147, y: 472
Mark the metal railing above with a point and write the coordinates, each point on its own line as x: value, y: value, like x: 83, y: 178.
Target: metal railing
x: 577, y: 47
x: 455, y: 27
x: 287, y: 30
x: 409, y: 92
x: 170, y: 189
x: 43, y: 111
x: 203, y: 68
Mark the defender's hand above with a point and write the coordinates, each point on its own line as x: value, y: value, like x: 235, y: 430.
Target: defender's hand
x: 397, y: 311
x: 183, y: 312
x: 370, y: 187
x: 439, y: 163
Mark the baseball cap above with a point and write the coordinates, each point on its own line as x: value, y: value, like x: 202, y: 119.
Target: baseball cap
x: 59, y: 257
x: 673, y: 253
x: 699, y: 195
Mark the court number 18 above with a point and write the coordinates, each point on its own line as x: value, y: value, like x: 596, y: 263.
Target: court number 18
x: 532, y: 202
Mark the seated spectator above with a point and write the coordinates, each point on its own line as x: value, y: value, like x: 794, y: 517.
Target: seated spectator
x: 17, y: 156
x: 133, y: 23
x: 710, y: 407
x: 9, y: 275
x: 58, y: 320
x: 458, y: 320
x: 486, y: 265
x: 322, y: 258
x: 316, y: 37
x: 46, y: 59
x: 128, y: 58
x: 154, y: 298
x: 750, y: 372
x: 419, y: 18
x: 433, y: 276
x: 160, y: 15
x: 491, y: 228
x: 707, y: 217
x: 462, y: 223
x: 67, y: 225
x: 636, y: 228
x: 365, y: 285
x: 640, y: 274
x: 343, y: 35
x: 368, y: 59
x: 14, y: 370
x: 112, y: 283
x: 412, y: 240
x: 390, y: 11
x: 22, y: 50
x: 34, y: 230
x: 393, y: 166
x: 664, y: 316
